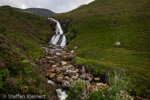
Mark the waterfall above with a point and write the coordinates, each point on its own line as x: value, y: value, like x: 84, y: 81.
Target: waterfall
x: 59, y: 38
x: 61, y: 94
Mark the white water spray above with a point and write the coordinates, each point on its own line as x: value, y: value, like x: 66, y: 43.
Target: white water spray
x: 59, y: 38
x: 62, y: 95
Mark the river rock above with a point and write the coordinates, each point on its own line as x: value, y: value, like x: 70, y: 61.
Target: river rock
x: 54, y: 66
x: 71, y: 73
x: 72, y: 51
x: 101, y: 85
x: 82, y: 76
x: 75, y: 77
x: 48, y: 58
x: 58, y: 53
x: 70, y: 56
x: 77, y: 70
x: 63, y: 63
x: 82, y: 70
x: 67, y: 78
x: 52, y: 69
x: 57, y: 70
x: 52, y: 75
x: 63, y: 52
x: 51, y: 62
x: 65, y: 84
x: 89, y: 77
x: 45, y: 61
x: 97, y: 79
x: 59, y: 79
x: 64, y: 68
x: 64, y: 57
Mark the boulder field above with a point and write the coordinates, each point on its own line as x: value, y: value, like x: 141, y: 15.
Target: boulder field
x: 57, y: 65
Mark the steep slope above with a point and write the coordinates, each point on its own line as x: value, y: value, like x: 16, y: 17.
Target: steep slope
x: 97, y: 26
x: 21, y: 35
x: 37, y: 11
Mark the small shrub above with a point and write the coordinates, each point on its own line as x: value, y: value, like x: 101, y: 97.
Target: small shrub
x: 78, y: 91
x: 119, y: 86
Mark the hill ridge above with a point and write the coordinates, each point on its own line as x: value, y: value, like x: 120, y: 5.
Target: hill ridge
x: 37, y: 11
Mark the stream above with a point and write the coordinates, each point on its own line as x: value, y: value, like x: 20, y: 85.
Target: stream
x: 61, y: 94
x: 58, y: 39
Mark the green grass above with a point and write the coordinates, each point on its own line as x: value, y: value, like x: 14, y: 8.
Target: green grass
x: 102, y: 23
x: 21, y: 37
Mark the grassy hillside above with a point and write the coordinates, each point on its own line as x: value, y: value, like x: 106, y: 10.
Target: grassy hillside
x: 37, y: 11
x: 97, y: 26
x: 21, y: 35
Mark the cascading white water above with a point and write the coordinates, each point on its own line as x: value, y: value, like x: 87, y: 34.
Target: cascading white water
x: 62, y: 95
x: 58, y: 27
x: 59, y: 38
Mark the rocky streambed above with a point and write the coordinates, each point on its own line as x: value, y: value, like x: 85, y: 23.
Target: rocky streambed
x: 57, y: 66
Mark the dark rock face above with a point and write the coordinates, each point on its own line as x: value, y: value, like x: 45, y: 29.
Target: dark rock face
x: 53, y: 25
x: 65, y: 24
